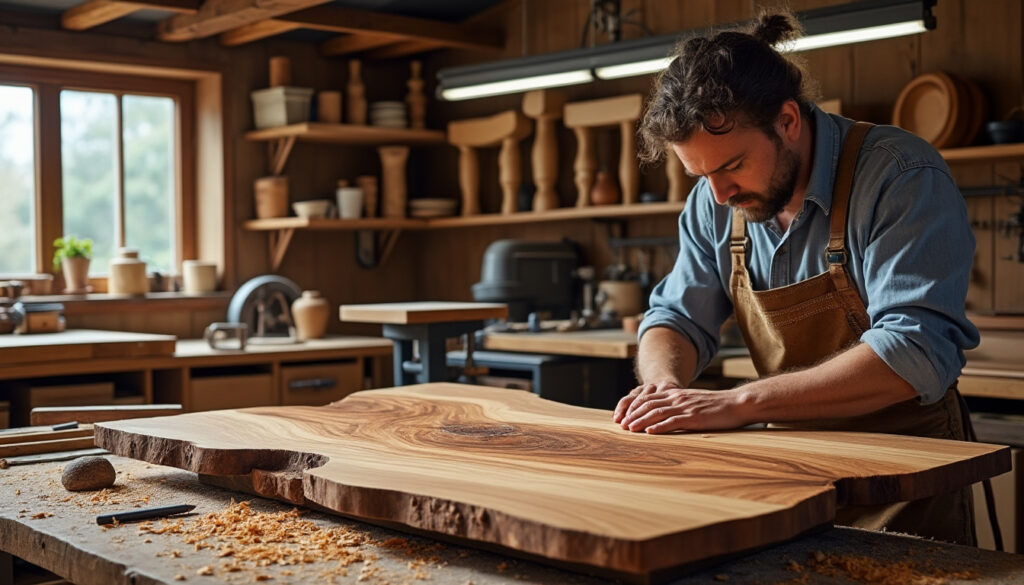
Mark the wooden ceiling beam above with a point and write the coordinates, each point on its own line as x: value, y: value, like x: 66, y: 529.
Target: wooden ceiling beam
x: 358, y: 22
x: 96, y: 12
x: 348, y: 44
x: 217, y: 16
x: 403, y: 49
x: 256, y: 31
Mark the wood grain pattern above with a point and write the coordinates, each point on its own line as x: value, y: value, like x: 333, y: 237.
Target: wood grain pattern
x: 422, y: 312
x: 602, y: 343
x: 81, y: 344
x: 506, y: 468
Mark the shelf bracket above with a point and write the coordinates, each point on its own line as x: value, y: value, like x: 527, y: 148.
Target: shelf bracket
x: 278, y: 150
x: 279, y: 240
x: 368, y: 243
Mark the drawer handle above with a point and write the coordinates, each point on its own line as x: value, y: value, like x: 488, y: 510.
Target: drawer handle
x: 312, y: 384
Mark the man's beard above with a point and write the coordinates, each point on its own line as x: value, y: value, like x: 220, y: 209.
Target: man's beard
x: 780, y: 188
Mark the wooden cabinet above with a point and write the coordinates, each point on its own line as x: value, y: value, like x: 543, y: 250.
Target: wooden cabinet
x: 319, y: 384
x: 218, y: 392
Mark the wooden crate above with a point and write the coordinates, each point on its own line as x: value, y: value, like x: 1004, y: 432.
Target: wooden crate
x: 230, y: 391
x: 319, y: 384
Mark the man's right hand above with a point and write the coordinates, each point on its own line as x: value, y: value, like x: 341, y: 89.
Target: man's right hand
x: 636, y: 396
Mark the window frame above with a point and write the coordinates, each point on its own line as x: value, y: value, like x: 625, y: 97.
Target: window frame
x: 47, y: 83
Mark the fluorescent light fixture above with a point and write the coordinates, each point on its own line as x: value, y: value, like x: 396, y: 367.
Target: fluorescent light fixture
x: 853, y: 22
x: 517, y: 85
x: 632, y: 69
x: 849, y: 37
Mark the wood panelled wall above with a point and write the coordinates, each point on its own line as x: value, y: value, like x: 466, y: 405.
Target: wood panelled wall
x: 980, y: 39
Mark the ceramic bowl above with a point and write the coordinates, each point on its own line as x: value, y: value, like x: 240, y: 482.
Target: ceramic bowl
x: 1006, y: 131
x: 313, y: 208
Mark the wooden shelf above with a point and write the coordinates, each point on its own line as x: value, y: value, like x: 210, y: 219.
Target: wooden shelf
x: 983, y: 153
x: 348, y: 134
x: 283, y: 228
x: 383, y: 223
x: 322, y: 224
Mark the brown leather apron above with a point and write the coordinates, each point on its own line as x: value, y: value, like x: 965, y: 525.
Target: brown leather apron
x: 805, y: 323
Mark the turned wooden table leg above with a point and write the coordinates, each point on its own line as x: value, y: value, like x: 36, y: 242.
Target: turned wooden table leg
x: 392, y: 163
x: 629, y: 174
x: 545, y: 165
x: 469, y: 180
x: 585, y: 165
x: 676, y: 177
x: 509, y: 173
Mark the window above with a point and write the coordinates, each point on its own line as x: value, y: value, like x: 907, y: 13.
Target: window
x: 110, y: 162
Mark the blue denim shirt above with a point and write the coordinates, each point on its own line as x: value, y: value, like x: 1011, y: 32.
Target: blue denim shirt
x: 909, y: 244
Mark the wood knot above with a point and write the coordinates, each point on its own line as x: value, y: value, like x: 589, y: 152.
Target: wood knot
x: 479, y: 430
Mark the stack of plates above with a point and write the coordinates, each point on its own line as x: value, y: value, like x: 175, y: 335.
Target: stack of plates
x: 432, y: 207
x: 944, y: 109
x: 388, y: 114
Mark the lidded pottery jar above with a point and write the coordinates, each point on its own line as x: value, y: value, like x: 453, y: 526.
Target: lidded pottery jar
x: 127, y: 274
x: 310, y: 313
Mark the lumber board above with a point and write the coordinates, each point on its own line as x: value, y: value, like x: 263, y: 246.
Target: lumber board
x: 505, y: 468
x: 217, y: 16
x: 81, y: 344
x: 422, y: 312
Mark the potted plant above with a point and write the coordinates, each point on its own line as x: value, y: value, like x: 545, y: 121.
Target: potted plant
x: 73, y: 255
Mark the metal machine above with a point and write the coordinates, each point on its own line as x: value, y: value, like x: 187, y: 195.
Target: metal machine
x: 263, y: 304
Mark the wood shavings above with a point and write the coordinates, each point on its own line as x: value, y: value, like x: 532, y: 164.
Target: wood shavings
x: 41, y: 515
x: 871, y: 571
x: 205, y: 571
x: 179, y: 577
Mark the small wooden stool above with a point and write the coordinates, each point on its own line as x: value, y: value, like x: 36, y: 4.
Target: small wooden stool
x: 583, y: 117
x: 429, y: 324
x: 506, y: 129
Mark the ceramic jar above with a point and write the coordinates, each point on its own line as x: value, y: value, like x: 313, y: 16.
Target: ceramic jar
x: 606, y: 190
x: 127, y: 274
x: 310, y: 313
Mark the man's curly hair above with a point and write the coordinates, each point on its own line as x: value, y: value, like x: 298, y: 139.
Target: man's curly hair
x: 716, y: 82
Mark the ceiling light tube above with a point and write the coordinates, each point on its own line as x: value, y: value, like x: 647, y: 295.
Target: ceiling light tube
x: 853, y: 22
x: 860, y: 35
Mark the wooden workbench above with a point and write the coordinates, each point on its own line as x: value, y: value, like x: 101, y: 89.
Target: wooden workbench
x: 597, y: 343
x: 42, y: 523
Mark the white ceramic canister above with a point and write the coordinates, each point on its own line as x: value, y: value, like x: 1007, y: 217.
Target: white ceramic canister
x: 198, y: 276
x: 350, y: 202
x: 127, y: 274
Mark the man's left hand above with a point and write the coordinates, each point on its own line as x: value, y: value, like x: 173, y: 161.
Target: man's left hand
x: 663, y: 410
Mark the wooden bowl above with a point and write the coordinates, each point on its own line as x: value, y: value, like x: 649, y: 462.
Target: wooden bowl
x: 979, y: 112
x: 930, y: 106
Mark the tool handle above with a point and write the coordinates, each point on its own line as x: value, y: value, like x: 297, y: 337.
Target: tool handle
x: 144, y: 514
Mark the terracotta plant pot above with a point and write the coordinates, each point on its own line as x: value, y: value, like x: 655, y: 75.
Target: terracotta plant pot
x: 76, y: 275
x: 606, y: 190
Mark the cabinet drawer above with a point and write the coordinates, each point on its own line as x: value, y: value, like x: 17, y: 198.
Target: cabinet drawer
x: 318, y: 384
x: 220, y: 392
x: 71, y: 395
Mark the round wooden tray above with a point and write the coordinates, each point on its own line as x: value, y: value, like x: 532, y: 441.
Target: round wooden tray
x: 930, y: 106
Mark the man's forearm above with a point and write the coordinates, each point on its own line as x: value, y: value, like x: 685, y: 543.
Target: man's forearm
x: 664, y: 355
x: 852, y: 383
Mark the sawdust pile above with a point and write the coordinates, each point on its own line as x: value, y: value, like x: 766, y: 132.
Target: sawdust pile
x: 870, y: 571
x: 266, y: 538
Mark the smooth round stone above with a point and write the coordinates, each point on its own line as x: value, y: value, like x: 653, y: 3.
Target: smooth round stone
x: 88, y: 473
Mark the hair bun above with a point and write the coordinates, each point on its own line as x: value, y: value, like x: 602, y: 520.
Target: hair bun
x: 776, y: 27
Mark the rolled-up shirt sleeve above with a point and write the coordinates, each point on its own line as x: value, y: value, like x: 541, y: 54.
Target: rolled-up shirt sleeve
x: 917, y: 254
x: 692, y: 299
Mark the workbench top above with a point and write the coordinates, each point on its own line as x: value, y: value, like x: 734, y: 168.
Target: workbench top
x: 55, y: 529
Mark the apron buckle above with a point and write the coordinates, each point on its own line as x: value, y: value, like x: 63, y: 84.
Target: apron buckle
x: 836, y: 256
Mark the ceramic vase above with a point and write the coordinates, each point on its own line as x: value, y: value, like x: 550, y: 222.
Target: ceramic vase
x: 606, y: 190
x: 127, y: 274
x: 310, y: 312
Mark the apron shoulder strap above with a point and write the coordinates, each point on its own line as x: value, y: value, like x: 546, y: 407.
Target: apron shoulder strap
x: 835, y: 252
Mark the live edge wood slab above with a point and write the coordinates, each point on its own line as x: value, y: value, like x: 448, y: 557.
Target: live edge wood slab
x: 505, y: 468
